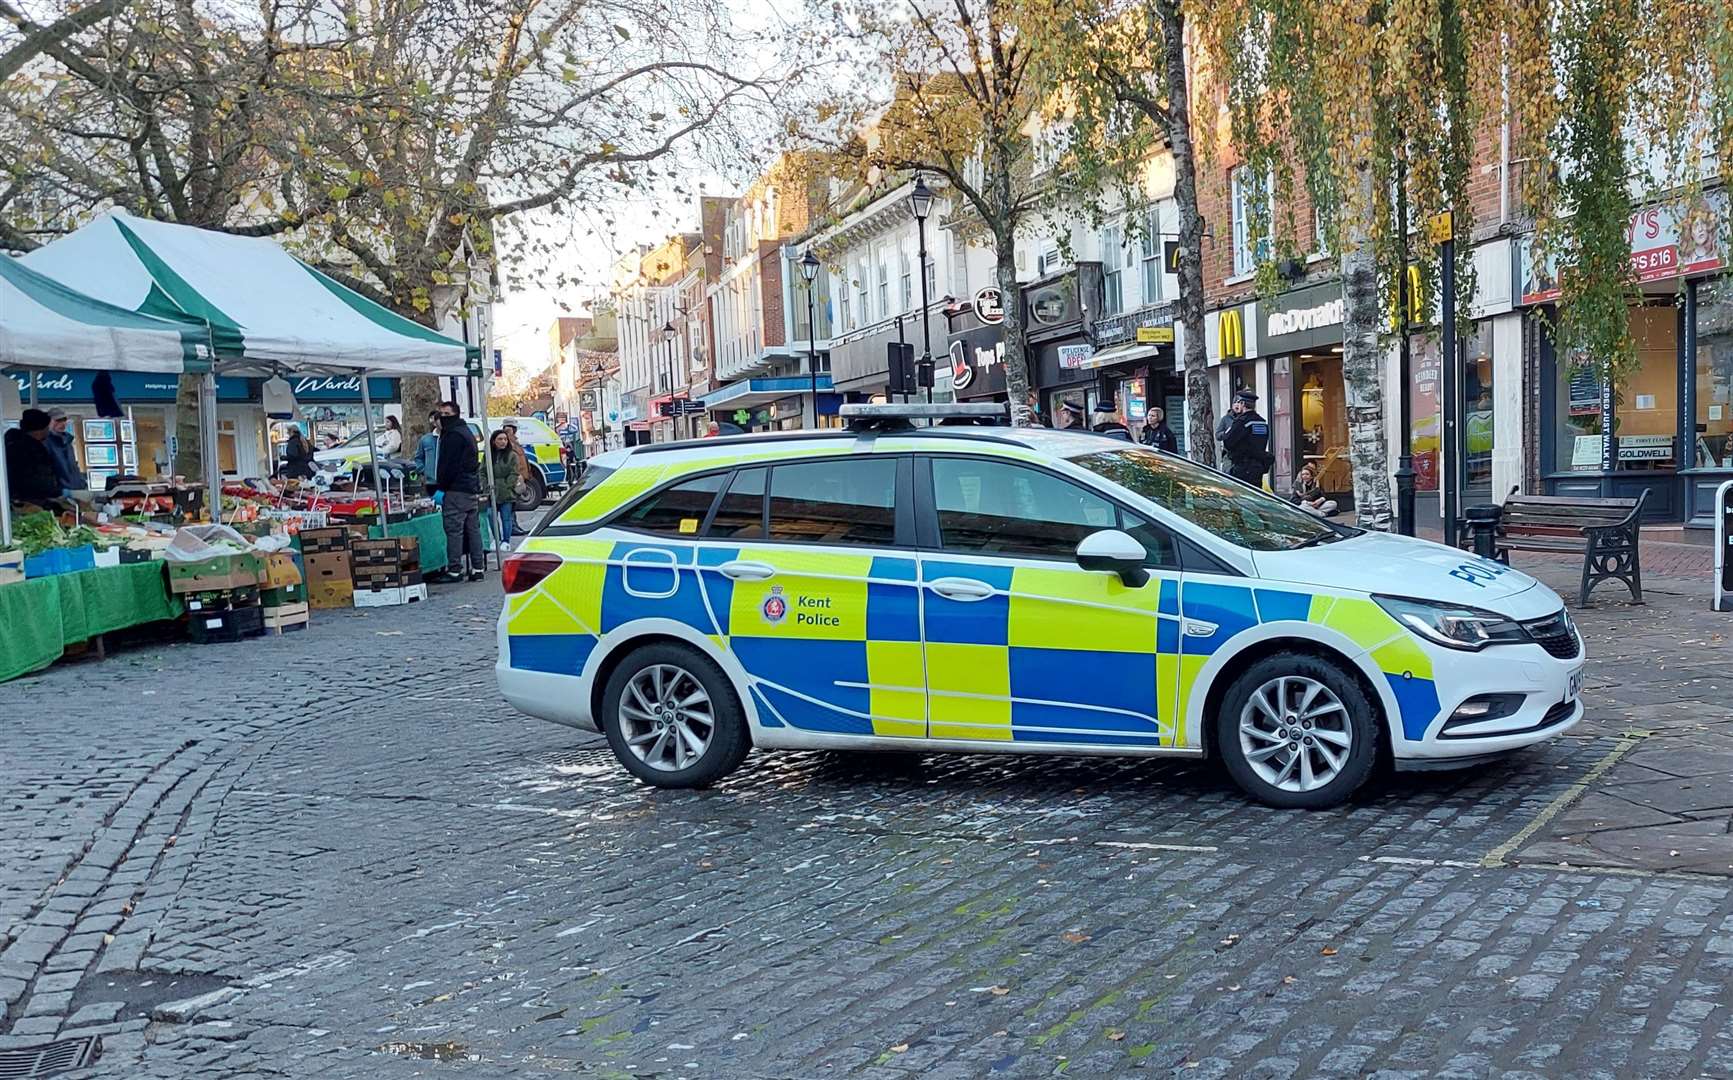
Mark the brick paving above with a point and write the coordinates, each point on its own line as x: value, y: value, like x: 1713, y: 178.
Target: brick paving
x: 339, y: 855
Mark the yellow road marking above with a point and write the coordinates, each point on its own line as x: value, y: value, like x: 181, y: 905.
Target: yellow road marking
x: 1569, y: 795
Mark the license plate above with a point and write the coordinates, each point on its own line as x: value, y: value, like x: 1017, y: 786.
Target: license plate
x: 1575, y: 688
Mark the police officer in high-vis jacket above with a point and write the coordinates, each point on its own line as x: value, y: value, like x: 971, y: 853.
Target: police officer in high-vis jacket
x: 1245, y: 439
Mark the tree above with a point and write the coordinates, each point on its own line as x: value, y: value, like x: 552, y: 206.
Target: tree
x: 1123, y: 68
x: 388, y: 143
x: 965, y: 105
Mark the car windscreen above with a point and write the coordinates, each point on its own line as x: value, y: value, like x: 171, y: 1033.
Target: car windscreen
x: 1233, y: 511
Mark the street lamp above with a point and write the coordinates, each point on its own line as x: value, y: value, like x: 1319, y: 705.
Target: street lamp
x: 809, y: 271
x: 921, y: 204
x: 668, y: 336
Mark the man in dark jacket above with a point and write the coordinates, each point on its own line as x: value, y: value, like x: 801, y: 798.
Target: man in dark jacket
x: 61, y: 444
x: 1245, y: 438
x: 29, y: 462
x: 456, y: 484
x: 1156, y: 434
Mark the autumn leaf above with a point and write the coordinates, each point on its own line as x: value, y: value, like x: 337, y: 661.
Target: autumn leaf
x: 625, y: 35
x: 1327, y: 951
x: 1116, y: 1036
x: 900, y: 1048
x: 1072, y: 937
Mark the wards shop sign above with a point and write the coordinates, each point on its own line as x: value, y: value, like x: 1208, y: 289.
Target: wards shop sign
x: 142, y: 388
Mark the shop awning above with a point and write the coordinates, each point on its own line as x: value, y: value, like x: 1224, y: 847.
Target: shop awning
x: 1119, y: 354
x: 265, y: 309
x: 751, y: 393
x: 46, y: 324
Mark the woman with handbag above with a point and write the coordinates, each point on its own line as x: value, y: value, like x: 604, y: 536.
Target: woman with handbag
x: 506, y: 481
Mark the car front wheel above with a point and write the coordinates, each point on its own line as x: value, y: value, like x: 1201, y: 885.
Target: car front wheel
x: 672, y: 718
x: 1297, y: 732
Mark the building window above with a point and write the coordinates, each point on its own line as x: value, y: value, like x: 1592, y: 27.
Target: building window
x: 906, y: 269
x: 1320, y: 234
x: 1247, y: 195
x: 860, y: 293
x: 1477, y: 421
x: 884, y: 283
x: 1113, y: 270
x: 1049, y: 260
x: 1151, y: 254
x: 959, y: 266
x: 845, y: 320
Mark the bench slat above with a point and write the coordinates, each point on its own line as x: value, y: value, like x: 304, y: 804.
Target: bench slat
x: 1565, y: 500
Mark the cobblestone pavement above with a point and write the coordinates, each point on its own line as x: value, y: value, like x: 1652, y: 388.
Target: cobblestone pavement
x: 337, y: 854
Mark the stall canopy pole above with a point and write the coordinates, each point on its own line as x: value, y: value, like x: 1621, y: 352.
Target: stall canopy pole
x: 493, y: 524
x: 5, y: 504
x: 379, y: 488
x: 33, y: 388
x: 213, y: 466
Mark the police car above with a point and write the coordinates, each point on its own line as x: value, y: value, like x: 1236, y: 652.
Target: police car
x: 1012, y: 590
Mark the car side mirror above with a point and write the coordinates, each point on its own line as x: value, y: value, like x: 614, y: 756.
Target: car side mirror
x: 1114, y: 552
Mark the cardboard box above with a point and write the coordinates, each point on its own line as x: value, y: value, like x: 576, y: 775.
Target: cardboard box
x: 330, y: 593
x: 214, y: 574
x: 281, y: 570
x: 11, y: 567
x: 390, y: 597
x: 326, y: 567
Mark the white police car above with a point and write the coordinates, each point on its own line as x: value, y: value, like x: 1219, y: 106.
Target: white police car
x: 992, y: 589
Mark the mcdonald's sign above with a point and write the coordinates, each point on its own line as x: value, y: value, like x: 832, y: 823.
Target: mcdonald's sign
x: 1231, y: 334
x: 1417, y: 304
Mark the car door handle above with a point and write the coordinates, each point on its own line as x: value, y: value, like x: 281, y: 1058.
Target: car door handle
x: 747, y: 571
x: 961, y: 588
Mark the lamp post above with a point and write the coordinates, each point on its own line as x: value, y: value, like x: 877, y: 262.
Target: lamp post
x: 809, y: 271
x: 1405, y: 458
x: 921, y: 204
x: 668, y: 336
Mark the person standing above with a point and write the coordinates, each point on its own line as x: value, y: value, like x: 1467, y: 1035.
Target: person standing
x: 457, y: 486
x: 1107, y: 420
x: 391, y: 437
x: 427, y: 450
x: 1156, y: 434
x: 61, y: 444
x: 297, y: 456
x: 1245, y: 438
x: 29, y: 463
x: 505, y: 486
x: 1070, y: 415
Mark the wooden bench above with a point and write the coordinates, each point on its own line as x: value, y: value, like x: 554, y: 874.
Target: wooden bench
x: 1604, y: 530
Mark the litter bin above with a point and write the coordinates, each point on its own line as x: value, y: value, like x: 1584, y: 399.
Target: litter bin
x: 1483, y: 528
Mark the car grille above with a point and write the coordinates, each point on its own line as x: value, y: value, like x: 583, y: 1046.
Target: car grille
x: 1555, y: 634
x: 1558, y: 714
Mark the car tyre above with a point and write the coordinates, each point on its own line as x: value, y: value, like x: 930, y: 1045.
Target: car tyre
x: 1297, y: 732
x: 672, y: 718
x: 535, y: 490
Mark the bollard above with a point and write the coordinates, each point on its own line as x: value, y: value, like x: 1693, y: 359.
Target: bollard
x: 1483, y: 526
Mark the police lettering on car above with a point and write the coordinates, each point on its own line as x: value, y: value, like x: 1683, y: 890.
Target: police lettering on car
x: 969, y: 588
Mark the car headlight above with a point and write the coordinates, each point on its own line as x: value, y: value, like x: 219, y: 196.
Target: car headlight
x: 1454, y: 625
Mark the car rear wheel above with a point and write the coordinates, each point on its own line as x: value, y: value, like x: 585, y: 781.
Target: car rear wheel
x: 1297, y: 732
x: 535, y: 490
x: 672, y: 718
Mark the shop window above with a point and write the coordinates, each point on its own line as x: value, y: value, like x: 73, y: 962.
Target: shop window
x: 1323, y: 422
x: 1113, y: 270
x: 1577, y: 428
x: 1425, y: 426
x: 1477, y: 412
x: 1712, y: 431
x: 834, y: 502
x: 1646, y: 413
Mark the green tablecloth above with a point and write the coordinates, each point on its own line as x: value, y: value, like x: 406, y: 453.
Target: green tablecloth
x: 429, y: 530
x: 40, y: 617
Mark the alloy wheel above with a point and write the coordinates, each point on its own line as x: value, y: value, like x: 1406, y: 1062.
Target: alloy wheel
x: 1295, y: 733
x: 666, y: 717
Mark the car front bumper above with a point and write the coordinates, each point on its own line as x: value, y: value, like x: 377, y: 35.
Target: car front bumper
x: 1551, y: 704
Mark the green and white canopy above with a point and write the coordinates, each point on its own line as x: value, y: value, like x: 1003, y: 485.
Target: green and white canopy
x: 45, y: 324
x: 265, y: 308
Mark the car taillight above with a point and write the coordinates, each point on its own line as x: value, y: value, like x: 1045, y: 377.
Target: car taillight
x: 524, y: 571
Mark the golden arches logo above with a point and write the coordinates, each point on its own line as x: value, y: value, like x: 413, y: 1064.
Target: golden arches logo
x: 1231, y: 329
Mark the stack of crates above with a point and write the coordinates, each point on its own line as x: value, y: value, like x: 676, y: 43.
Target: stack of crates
x: 284, y: 596
x: 221, y: 594
x: 386, y: 572
x: 325, y: 560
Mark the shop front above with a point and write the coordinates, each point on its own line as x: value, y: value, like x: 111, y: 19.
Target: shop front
x: 775, y: 403
x: 860, y: 360
x: 1300, y: 339
x: 1133, y: 366
x: 1667, y: 428
x: 976, y: 348
x: 141, y: 441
